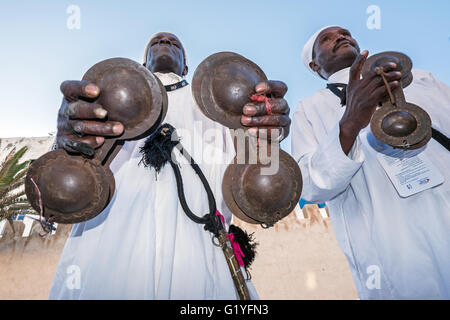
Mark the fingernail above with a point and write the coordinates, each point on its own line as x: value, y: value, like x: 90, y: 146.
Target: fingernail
x: 92, y: 90
x: 249, y: 110
x: 78, y: 128
x: 246, y: 120
x: 99, y: 140
x: 100, y: 113
x: 71, y: 110
x: 260, y: 87
x: 118, y: 128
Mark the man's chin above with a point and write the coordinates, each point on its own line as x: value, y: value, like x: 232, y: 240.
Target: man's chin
x: 164, y: 62
x: 347, y: 50
x: 164, y: 58
x: 347, y: 53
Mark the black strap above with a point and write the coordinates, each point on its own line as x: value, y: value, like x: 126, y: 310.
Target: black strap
x: 441, y: 138
x: 209, y: 219
x: 435, y: 134
x: 157, y: 151
x: 175, y: 86
x: 340, y: 93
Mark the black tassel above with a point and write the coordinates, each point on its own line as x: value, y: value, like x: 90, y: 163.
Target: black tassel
x: 246, y: 242
x: 157, y: 149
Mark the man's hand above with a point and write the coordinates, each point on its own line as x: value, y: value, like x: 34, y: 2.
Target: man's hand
x: 82, y: 124
x: 268, y: 110
x: 363, y: 97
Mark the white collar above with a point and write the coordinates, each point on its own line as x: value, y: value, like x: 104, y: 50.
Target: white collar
x: 340, y: 76
x: 168, y: 78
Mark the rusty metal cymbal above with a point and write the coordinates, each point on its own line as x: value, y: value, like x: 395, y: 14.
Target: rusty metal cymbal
x: 264, y: 199
x: 397, y: 122
x: 75, y: 189
x: 199, y: 75
x: 229, y: 199
x: 401, y: 127
x: 423, y: 142
x: 129, y: 92
x: 222, y: 84
x: 404, y: 65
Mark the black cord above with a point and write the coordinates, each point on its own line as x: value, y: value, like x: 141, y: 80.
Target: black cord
x: 157, y: 151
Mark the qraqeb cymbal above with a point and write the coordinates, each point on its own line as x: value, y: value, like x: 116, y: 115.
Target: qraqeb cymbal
x: 404, y: 65
x: 397, y: 122
x: 72, y: 188
x: 262, y: 199
x: 405, y: 127
x: 130, y: 93
x: 222, y: 84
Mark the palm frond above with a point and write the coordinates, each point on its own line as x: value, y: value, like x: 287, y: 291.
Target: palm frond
x: 11, y: 167
x: 12, y: 177
x: 22, y: 173
x: 14, y: 185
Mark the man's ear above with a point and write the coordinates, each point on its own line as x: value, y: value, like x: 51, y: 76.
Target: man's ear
x: 185, y: 71
x: 313, y: 65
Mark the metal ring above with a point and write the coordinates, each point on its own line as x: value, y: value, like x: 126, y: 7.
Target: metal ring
x: 214, y: 243
x: 265, y: 225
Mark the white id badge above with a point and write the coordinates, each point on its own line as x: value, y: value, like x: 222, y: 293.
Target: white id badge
x: 409, y: 171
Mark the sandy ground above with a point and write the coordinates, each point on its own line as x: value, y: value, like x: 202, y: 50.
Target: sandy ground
x: 297, y: 259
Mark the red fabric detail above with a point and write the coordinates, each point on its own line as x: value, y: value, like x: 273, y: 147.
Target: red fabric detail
x: 263, y: 98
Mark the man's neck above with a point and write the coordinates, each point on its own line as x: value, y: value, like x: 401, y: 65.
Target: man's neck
x: 168, y: 78
x: 340, y: 76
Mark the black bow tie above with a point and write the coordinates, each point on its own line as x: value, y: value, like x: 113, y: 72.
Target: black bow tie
x: 340, y: 90
x: 175, y: 86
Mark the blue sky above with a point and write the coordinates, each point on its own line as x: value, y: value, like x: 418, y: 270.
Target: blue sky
x: 38, y: 51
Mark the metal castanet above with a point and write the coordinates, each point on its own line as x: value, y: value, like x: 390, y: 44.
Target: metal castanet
x: 397, y: 122
x: 222, y: 84
x: 229, y: 197
x: 72, y: 188
x: 271, y: 197
x: 259, y: 198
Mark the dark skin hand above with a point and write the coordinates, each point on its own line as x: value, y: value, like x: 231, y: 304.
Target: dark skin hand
x: 81, y: 124
x: 260, y: 122
x: 363, y: 97
x: 334, y: 50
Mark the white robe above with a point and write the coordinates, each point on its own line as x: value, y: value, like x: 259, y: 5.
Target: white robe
x: 143, y: 246
x: 397, y: 248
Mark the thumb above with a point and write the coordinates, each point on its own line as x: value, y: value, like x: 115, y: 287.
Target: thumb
x: 355, y: 70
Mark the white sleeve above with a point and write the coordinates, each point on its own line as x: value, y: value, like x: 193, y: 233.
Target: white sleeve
x: 433, y: 95
x: 326, y: 169
x: 428, y: 80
